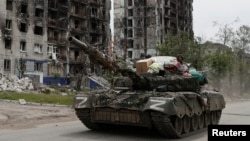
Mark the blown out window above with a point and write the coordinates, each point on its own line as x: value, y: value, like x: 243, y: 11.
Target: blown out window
x: 22, y: 46
x: 38, y: 66
x: 7, y: 64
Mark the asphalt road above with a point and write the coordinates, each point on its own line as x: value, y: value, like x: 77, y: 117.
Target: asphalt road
x: 234, y: 113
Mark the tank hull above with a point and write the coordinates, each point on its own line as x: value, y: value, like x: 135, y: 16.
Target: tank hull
x: 173, y: 114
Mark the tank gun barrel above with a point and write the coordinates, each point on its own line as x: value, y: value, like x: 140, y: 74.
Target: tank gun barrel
x: 105, y: 61
x: 77, y: 42
x: 95, y: 55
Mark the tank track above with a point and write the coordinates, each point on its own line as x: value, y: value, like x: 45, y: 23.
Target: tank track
x: 168, y: 126
x: 174, y: 127
x: 84, y: 116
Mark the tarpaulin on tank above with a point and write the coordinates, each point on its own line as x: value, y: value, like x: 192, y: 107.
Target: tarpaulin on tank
x: 201, y: 78
x: 165, y: 60
x: 155, y: 68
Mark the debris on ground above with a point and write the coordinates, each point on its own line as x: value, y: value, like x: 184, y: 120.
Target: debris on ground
x: 13, y: 83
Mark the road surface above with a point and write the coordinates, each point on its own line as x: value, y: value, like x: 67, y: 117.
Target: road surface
x: 234, y: 113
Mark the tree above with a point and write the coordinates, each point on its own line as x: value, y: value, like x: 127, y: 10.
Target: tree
x: 21, y: 67
x: 237, y: 59
x: 185, y: 45
x: 226, y: 32
x: 220, y: 63
x: 242, y: 38
x: 241, y: 69
x: 241, y: 46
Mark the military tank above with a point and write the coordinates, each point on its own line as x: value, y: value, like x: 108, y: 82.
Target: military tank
x: 171, y: 104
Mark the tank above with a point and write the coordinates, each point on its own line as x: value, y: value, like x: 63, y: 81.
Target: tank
x: 171, y: 104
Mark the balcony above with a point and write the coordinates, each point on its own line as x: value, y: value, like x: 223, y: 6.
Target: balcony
x: 81, y: 1
x: 97, y: 2
x: 39, y: 3
x: 79, y: 15
x: 38, y: 21
x: 57, y: 41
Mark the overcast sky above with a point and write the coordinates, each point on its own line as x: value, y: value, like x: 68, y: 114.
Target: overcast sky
x: 205, y: 12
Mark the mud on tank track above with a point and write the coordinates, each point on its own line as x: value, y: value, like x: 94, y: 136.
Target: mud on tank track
x: 168, y: 126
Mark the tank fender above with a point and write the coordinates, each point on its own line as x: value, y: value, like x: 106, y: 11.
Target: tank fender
x: 81, y: 102
x: 215, y: 100
x: 162, y: 104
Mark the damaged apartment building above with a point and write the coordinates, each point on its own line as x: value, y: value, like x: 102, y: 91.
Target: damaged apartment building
x: 141, y: 25
x: 33, y: 35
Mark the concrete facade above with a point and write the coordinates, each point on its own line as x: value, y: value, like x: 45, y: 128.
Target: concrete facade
x: 34, y: 32
x: 140, y: 25
x: 22, y: 33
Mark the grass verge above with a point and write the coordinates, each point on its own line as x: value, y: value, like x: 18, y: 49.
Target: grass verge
x: 52, y: 98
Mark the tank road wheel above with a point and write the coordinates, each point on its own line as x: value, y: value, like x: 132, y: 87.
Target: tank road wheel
x: 201, y: 121
x: 213, y: 117
x: 194, y: 122
x: 186, y: 124
x: 218, y: 116
x: 178, y: 125
x: 206, y: 118
x: 168, y: 126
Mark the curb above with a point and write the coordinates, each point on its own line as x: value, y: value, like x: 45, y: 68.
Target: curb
x: 34, y: 104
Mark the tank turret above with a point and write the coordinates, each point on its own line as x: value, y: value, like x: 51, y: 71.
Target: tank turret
x: 132, y: 80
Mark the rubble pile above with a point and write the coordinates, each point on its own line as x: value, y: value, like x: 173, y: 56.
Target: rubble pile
x: 13, y: 83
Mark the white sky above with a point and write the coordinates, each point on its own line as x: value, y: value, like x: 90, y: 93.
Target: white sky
x: 205, y: 12
x: 112, y: 19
